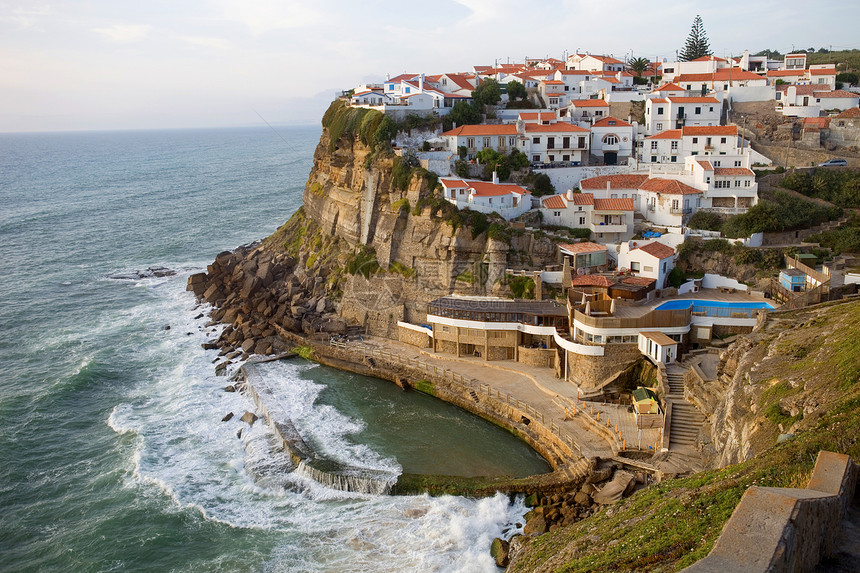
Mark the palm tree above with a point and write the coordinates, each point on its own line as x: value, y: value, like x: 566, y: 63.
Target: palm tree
x: 638, y: 65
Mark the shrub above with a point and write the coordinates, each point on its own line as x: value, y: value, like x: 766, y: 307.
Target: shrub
x: 705, y: 220
x: 542, y: 185
x: 676, y: 277
x: 521, y: 287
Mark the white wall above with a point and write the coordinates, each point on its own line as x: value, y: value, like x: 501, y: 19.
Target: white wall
x: 624, y: 97
x: 751, y: 93
x: 714, y: 281
x: 565, y: 178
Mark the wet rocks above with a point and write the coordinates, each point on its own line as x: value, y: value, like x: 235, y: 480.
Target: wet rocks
x: 249, y: 418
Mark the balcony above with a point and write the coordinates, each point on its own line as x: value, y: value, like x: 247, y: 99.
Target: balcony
x: 604, y: 228
x: 681, y: 211
x: 709, y: 147
x: 611, y: 147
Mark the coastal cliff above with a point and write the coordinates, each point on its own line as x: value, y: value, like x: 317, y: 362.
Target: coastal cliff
x: 372, y: 244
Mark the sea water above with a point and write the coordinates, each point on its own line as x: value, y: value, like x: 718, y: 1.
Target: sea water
x: 114, y: 455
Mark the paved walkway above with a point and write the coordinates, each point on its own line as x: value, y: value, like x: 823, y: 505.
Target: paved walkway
x: 556, y: 399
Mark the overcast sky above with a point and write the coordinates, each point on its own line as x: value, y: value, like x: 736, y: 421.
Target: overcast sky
x: 115, y: 64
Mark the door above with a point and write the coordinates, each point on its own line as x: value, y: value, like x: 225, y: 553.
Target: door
x: 610, y: 157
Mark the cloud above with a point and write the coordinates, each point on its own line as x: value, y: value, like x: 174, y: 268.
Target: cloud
x: 124, y: 33
x: 267, y: 15
x: 206, y: 42
x: 24, y: 18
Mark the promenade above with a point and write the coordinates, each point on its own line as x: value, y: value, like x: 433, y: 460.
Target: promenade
x: 597, y: 429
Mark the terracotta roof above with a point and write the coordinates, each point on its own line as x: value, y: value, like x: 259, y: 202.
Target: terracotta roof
x: 706, y: 165
x: 625, y: 181
x: 823, y: 71
x: 733, y: 171
x: 559, y: 127
x: 721, y: 75
x: 709, y: 130
x: 709, y: 59
x: 605, y: 122
x: 589, y: 103
x: 453, y: 183
x: 487, y: 189
x: 575, y: 72
x: 623, y: 204
x: 849, y: 113
x: 583, y: 199
x: 668, y: 187
x: 672, y: 87
x: 590, y: 280
x: 402, y: 77
x: 461, y: 80
x: 659, y: 100
x: 657, y: 250
x: 638, y: 281
x: 837, y: 93
x: 553, y: 82
x: 554, y: 94
x: 705, y: 99
x: 540, y: 116
x: 668, y: 134
x: 476, y: 130
x: 554, y: 202
x: 785, y: 73
x: 584, y: 247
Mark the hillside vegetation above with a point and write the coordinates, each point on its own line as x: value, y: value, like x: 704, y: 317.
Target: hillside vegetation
x: 806, y: 380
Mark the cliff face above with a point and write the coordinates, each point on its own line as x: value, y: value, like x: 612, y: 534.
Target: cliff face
x: 780, y: 379
x: 372, y: 244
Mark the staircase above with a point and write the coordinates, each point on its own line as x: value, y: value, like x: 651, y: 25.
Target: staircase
x: 686, y: 420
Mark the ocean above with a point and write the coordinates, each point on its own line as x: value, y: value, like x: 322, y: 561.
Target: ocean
x: 114, y: 455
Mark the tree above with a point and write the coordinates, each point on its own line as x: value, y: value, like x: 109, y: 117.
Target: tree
x: 638, y: 65
x: 462, y: 114
x: 516, y: 90
x: 697, y: 44
x: 488, y: 92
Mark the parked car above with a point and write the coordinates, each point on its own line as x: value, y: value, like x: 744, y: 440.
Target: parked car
x: 834, y: 163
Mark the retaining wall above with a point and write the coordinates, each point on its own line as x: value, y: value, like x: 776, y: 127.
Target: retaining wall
x: 782, y: 530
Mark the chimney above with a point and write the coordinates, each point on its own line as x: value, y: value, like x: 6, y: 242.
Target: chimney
x: 608, y: 187
x: 570, y: 194
x: 421, y: 83
x: 495, y: 178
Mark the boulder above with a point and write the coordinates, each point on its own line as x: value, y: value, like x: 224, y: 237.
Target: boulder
x: 500, y: 551
x: 248, y: 344
x: 599, y: 475
x: 213, y: 294
x: 535, y: 526
x: 197, y: 284
x: 322, y: 305
x: 230, y: 388
x: 249, y: 418
x: 228, y: 417
x: 582, y: 499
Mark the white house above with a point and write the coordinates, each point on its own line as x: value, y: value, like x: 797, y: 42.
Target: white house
x: 594, y: 63
x: 657, y: 347
x: 729, y: 185
x: 675, y: 145
x: 811, y: 100
x: 475, y: 138
x: 666, y: 90
x: 719, y: 81
x: 661, y: 200
x: 652, y: 260
x: 553, y: 94
x: 507, y: 200
x: 609, y: 220
x: 585, y: 111
x: 612, y: 140
x: 675, y: 112
x: 556, y: 142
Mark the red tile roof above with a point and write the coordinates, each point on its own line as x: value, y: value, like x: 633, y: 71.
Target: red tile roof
x: 721, y: 75
x: 705, y: 99
x: 453, y: 183
x: 553, y: 82
x: 591, y: 280
x: 487, y: 189
x: 583, y: 199
x: 668, y: 187
x: 706, y: 165
x: 584, y: 247
x: 559, y: 127
x: 589, y: 103
x: 628, y: 181
x: 605, y: 122
x: 477, y: 130
x: 659, y: 100
x: 849, y: 113
x: 638, y: 281
x: 837, y: 93
x: 657, y: 250
x: 623, y: 204
x: 710, y: 130
x: 823, y: 71
x: 709, y: 59
x: 667, y: 134
x: 555, y: 202
x: 785, y: 73
x: 540, y: 116
x: 734, y: 171
x: 672, y: 87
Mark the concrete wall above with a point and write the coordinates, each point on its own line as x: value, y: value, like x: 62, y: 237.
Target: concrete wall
x: 778, y: 530
x: 715, y: 281
x: 564, y: 178
x: 594, y: 372
x: 751, y: 93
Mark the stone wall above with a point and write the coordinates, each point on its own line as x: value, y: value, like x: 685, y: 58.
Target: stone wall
x: 542, y: 357
x: 594, y: 372
x: 778, y: 530
x: 413, y: 337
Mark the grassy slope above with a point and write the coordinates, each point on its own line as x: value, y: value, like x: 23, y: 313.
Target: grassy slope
x: 669, y: 526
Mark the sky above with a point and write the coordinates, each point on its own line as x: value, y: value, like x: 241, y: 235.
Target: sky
x: 118, y: 64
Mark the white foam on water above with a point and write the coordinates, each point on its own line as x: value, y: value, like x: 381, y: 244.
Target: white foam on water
x: 183, y: 452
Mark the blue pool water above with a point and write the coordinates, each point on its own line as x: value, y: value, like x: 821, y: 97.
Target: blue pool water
x: 716, y: 307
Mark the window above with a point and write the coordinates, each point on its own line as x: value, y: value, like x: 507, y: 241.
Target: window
x: 674, y: 146
x: 653, y: 146
x: 737, y: 183
x: 698, y: 111
x: 501, y: 141
x: 689, y: 87
x: 747, y: 183
x: 674, y: 159
x: 486, y: 142
x: 721, y: 184
x: 711, y: 109
x: 634, y: 266
x: 653, y: 159
x: 582, y: 220
x: 674, y: 204
x: 664, y: 266
x: 536, y: 140
x: 613, y: 140
x: 408, y: 89
x: 648, y: 269
x: 722, y: 140
x: 659, y: 111
x: 512, y: 141
x: 536, y: 158
x: 556, y: 213
x: 716, y: 163
x: 695, y: 140
x: 659, y: 127
x: 694, y: 153
x: 550, y: 143
x: 470, y: 142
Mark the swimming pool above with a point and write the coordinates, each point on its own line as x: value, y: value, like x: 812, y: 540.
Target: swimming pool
x: 717, y: 307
